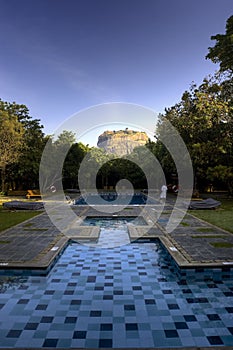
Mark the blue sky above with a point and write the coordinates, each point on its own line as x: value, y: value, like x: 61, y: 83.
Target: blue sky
x: 61, y: 56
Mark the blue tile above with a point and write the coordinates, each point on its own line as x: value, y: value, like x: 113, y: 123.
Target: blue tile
x: 181, y: 325
x: 31, y: 326
x: 215, y: 340
x: 171, y: 333
x: 46, y: 319
x: 50, y: 343
x: 213, y: 317
x: 79, y: 335
x: 108, y: 296
x: 64, y: 343
x: 95, y: 313
x: 14, y: 333
x: 70, y: 319
x: 190, y: 318
x: 131, y: 326
x: 41, y: 307
x: 23, y: 301
x: 106, y: 327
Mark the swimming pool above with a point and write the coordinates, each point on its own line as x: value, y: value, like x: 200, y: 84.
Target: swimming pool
x: 128, y: 296
x: 114, y: 223
x: 110, y: 197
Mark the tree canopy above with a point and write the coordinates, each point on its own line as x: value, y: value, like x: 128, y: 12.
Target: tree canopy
x: 222, y: 51
x: 11, y: 142
x: 204, y: 119
x: 24, y: 170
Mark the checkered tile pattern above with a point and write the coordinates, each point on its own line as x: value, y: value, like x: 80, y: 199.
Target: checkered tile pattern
x: 123, y: 297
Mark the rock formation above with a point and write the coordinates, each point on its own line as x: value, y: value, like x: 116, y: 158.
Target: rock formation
x: 121, y: 142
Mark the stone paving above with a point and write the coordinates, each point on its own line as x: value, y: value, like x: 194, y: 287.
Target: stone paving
x: 199, y: 241
x: 35, y: 243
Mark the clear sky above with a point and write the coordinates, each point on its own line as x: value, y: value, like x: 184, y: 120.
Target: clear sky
x: 61, y: 56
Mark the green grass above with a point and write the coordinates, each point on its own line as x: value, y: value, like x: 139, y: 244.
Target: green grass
x: 205, y: 229
x: 28, y: 224
x: 221, y: 217
x: 184, y: 224
x: 222, y: 245
x: 12, y: 218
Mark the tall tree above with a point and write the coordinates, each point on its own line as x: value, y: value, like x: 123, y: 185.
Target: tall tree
x: 27, y: 169
x: 25, y: 172
x: 204, y: 118
x: 11, y: 141
x: 72, y: 163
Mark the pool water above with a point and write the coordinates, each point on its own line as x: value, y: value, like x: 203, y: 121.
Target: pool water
x: 123, y: 297
x: 109, y: 198
x: 113, y: 230
x: 114, y: 222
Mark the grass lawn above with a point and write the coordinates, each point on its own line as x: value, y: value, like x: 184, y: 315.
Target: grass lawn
x: 11, y: 218
x: 221, y: 217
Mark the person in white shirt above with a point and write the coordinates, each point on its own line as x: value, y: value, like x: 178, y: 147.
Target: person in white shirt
x: 163, y: 193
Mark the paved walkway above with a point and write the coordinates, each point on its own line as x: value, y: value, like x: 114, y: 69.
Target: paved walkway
x: 35, y: 243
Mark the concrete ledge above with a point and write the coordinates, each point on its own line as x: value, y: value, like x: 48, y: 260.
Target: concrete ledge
x: 42, y: 262
x: 83, y: 233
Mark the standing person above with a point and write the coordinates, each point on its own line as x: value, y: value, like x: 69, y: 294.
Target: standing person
x: 163, y: 193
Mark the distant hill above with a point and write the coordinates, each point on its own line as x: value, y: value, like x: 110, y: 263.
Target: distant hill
x: 121, y: 142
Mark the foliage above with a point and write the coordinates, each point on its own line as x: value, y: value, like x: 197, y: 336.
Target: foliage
x: 223, y: 173
x: 11, y: 141
x: 65, y: 138
x: 222, y: 52
x: 121, y: 168
x: 53, y: 170
x: 24, y: 171
x: 72, y: 163
x: 96, y: 158
x: 204, y: 119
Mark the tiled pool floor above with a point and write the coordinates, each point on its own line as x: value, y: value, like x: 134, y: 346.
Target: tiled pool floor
x: 122, y: 297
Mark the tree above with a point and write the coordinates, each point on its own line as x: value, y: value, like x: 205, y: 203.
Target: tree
x: 11, y: 141
x: 72, y: 163
x: 204, y: 119
x: 24, y: 172
x: 224, y: 174
x: 65, y: 138
x: 222, y: 52
x: 94, y: 165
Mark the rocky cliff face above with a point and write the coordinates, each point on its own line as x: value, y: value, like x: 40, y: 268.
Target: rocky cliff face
x: 121, y: 142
